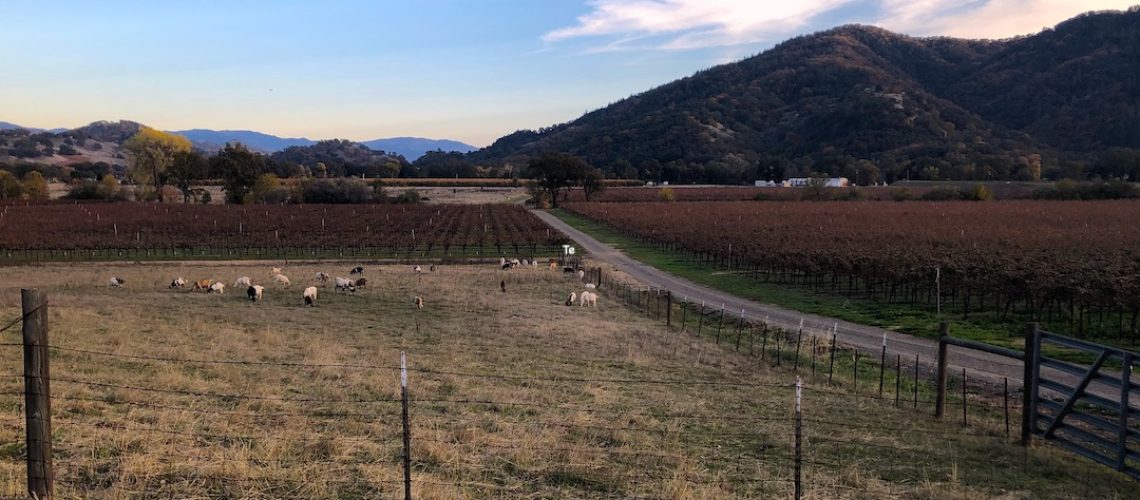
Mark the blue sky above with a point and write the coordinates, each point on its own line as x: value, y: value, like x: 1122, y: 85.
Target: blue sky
x: 468, y: 70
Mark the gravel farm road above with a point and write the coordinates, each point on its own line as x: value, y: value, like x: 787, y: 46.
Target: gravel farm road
x: 989, y: 367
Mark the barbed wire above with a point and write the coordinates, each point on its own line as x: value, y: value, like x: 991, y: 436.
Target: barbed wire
x: 224, y: 396
x: 116, y: 426
x: 585, y: 409
x: 147, y: 404
x: 22, y: 317
x: 495, y: 376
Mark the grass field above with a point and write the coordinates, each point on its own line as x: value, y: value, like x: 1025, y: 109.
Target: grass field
x: 172, y: 394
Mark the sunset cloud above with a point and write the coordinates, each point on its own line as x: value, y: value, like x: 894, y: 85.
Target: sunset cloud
x: 694, y: 24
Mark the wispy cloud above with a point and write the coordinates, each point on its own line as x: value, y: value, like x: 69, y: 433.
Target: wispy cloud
x: 986, y: 18
x: 624, y: 25
x: 689, y: 24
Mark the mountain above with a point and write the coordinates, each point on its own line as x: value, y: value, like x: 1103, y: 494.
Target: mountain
x: 859, y: 100
x: 408, y: 147
x: 414, y: 147
x: 213, y: 140
x: 9, y: 126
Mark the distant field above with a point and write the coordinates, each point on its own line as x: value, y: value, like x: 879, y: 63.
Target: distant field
x: 1073, y: 266
x: 172, y: 231
x: 173, y: 394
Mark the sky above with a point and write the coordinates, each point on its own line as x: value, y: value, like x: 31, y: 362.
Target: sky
x: 469, y: 70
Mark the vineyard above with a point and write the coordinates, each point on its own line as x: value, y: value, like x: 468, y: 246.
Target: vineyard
x: 1072, y: 265
x: 66, y: 231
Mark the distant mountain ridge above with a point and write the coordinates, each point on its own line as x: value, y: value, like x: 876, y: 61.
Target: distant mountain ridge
x: 214, y: 140
x: 408, y: 147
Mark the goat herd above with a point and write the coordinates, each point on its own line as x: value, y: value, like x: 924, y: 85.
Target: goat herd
x: 255, y: 293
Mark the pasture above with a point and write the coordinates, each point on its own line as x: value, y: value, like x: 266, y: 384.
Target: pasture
x: 162, y: 393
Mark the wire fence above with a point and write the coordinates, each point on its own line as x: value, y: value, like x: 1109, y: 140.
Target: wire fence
x: 148, y: 438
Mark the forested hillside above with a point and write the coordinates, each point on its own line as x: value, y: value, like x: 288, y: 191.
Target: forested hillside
x: 874, y: 105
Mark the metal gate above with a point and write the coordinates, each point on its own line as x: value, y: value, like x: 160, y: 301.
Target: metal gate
x: 1084, y: 402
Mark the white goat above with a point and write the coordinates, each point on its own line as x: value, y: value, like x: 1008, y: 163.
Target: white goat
x: 345, y: 285
x: 178, y: 283
x: 218, y: 288
x: 243, y: 281
x: 281, y: 279
x: 310, y: 296
x: 591, y: 286
x: 571, y: 299
x: 254, y: 292
x: 116, y: 282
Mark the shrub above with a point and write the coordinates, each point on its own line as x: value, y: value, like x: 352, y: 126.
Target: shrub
x: 666, y: 194
x: 977, y: 193
x: 941, y: 194
x: 901, y: 194
x: 336, y: 191
x: 409, y: 196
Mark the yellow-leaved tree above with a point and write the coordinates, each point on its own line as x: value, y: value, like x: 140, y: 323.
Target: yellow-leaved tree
x: 152, y: 153
x: 35, y: 186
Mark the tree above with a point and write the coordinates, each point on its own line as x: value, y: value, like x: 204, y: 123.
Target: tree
x: 592, y: 182
x: 9, y: 186
x: 186, y: 168
x: 35, y: 187
x: 265, y: 184
x: 239, y: 169
x: 555, y: 173
x: 152, y: 153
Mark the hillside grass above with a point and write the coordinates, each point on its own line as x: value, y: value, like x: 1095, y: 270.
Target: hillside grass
x: 512, y: 395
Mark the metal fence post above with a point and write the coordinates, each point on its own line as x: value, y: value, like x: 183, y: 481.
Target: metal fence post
x: 407, y: 427
x: 37, y: 394
x: 1125, y: 387
x: 799, y: 432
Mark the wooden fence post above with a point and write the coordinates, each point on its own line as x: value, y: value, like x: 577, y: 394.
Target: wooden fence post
x: 37, y: 394
x: 940, y: 384
x: 1028, y: 385
x: 669, y: 308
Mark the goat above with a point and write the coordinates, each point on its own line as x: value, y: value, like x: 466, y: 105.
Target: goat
x: 310, y: 296
x: 419, y: 302
x: 243, y: 281
x: 254, y: 292
x: 356, y: 271
x: 345, y: 285
x: 178, y: 283
x: 571, y: 299
x: 116, y: 282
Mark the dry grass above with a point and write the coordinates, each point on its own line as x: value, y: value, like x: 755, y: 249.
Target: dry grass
x: 519, y: 429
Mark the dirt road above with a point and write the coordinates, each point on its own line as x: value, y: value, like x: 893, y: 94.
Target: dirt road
x: 989, y: 367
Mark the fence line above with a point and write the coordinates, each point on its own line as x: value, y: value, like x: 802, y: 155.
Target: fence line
x: 427, y: 421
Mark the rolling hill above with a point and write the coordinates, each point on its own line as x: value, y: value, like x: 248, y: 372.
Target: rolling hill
x: 859, y: 100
